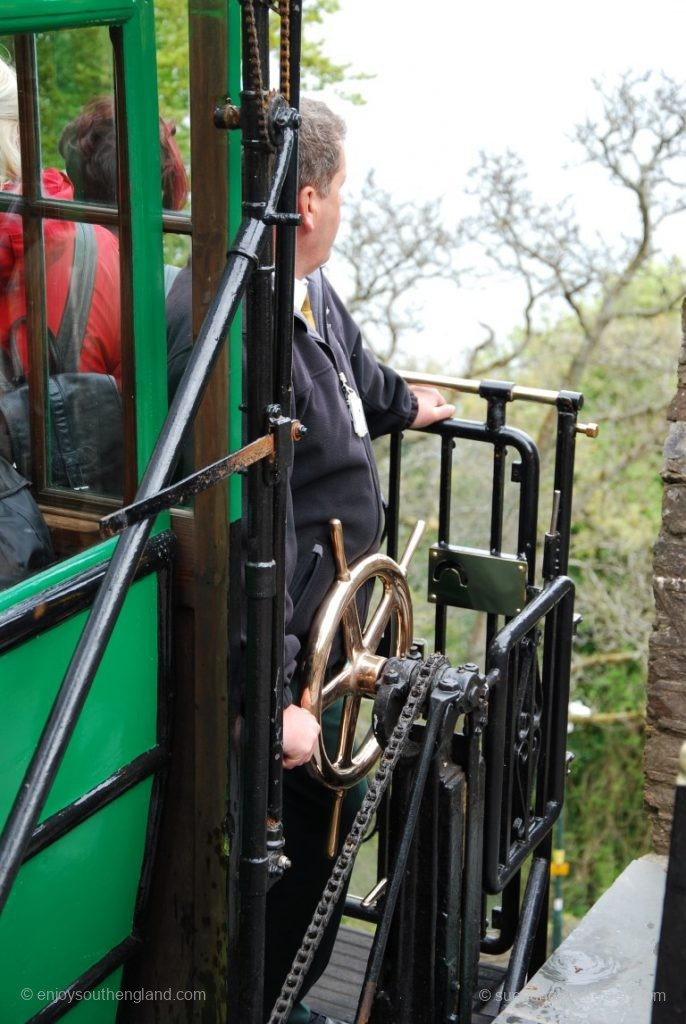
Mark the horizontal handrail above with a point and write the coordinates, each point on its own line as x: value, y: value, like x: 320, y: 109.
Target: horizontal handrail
x: 473, y: 387
x: 514, y: 393
x: 41, y: 772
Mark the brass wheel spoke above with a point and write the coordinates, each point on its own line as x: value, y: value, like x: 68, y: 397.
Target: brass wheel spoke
x: 352, y: 630
x: 346, y: 736
x: 380, y: 619
x: 338, y: 686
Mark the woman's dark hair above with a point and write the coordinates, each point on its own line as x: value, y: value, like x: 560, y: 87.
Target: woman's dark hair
x: 88, y: 145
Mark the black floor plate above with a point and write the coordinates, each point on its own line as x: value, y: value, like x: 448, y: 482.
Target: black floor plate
x: 337, y: 991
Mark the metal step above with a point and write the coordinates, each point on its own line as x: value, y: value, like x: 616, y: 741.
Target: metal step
x: 338, y: 990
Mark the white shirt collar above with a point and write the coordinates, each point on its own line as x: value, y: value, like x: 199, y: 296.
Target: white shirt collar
x: 299, y: 293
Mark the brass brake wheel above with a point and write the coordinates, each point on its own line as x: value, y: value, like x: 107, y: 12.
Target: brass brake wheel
x: 358, y: 677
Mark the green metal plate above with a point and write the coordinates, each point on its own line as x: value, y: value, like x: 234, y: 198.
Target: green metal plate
x: 470, y: 578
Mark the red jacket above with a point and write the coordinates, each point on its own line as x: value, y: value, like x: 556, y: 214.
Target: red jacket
x: 101, y: 349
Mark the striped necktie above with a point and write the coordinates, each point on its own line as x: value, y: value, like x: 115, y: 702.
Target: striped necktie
x: 306, y: 310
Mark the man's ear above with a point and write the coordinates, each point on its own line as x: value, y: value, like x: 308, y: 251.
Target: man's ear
x: 307, y: 208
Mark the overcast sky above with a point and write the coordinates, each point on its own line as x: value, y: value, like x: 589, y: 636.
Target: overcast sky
x: 454, y: 78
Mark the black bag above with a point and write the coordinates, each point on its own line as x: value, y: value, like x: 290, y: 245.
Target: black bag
x: 25, y: 545
x: 86, y: 436
x: 86, y: 445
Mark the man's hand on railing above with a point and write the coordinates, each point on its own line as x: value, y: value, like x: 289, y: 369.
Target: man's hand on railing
x: 432, y: 406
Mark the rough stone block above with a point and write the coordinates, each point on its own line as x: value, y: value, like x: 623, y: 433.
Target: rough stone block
x: 674, y: 509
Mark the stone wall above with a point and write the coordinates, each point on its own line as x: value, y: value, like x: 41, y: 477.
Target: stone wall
x: 666, y: 712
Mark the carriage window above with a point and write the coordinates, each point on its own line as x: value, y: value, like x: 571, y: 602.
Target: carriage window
x: 65, y: 347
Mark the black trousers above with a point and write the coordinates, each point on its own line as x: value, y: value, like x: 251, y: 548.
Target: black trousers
x: 291, y: 902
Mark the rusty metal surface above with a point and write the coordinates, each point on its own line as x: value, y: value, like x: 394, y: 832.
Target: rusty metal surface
x: 204, y: 478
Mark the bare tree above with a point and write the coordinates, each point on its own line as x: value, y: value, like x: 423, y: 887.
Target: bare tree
x: 389, y: 246
x: 640, y: 141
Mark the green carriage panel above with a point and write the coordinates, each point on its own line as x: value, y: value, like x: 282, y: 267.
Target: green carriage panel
x: 119, y: 720
x: 71, y: 904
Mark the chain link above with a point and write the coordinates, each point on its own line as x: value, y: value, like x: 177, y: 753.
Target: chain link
x: 346, y: 858
x: 255, y: 64
x: 285, y: 50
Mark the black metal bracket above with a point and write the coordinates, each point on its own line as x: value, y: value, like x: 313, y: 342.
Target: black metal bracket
x: 227, y: 115
x: 284, y: 432
x: 497, y: 393
x: 571, y: 401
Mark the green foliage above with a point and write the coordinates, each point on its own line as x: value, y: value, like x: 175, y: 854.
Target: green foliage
x: 605, y: 827
x: 74, y: 66
x: 171, y: 31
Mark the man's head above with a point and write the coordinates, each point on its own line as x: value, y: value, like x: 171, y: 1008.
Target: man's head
x: 321, y: 173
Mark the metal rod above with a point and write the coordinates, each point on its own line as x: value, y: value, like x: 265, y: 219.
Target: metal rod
x: 195, y: 483
x: 472, y: 872
x: 536, y: 890
x: 260, y: 568
x: 564, y: 479
x: 34, y: 260
x: 473, y: 387
x: 444, y: 500
x: 393, y: 509
x: 283, y: 324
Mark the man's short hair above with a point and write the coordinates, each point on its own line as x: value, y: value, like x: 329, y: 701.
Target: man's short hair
x: 320, y: 140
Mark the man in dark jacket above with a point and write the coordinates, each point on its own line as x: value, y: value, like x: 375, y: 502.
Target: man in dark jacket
x: 346, y: 398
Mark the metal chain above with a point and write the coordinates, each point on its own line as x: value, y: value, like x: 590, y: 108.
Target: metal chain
x: 256, y: 70
x: 285, y: 50
x: 346, y: 858
x: 256, y: 64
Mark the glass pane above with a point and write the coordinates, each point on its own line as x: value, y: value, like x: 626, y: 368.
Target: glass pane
x: 171, y: 30
x: 75, y: 88
x: 177, y: 251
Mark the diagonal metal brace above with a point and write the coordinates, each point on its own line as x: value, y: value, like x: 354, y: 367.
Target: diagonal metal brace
x: 201, y: 480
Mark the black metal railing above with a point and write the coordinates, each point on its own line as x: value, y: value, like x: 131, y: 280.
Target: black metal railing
x: 491, y: 801
x: 669, y: 990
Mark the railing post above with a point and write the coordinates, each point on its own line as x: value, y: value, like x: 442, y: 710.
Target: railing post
x: 669, y: 993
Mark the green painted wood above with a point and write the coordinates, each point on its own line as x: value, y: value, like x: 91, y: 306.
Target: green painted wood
x: 71, y: 904
x: 119, y: 718
x: 37, y: 15
x: 99, y: 1008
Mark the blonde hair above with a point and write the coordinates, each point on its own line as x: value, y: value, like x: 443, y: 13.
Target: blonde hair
x: 10, y: 158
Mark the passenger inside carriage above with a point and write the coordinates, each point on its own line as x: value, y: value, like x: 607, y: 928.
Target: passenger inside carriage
x: 98, y: 348
x: 89, y: 147
x: 340, y: 392
x: 82, y: 301
x: 79, y: 321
